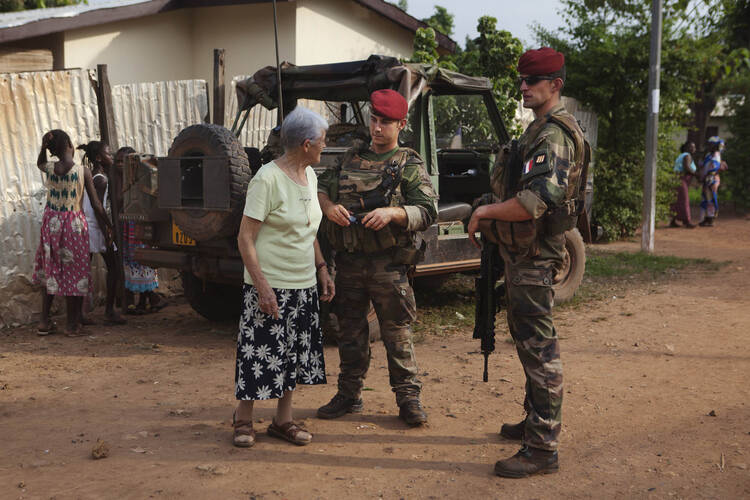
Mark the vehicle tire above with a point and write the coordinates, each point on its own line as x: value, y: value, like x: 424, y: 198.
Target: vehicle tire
x: 206, y: 139
x: 569, y: 278
x: 214, y: 301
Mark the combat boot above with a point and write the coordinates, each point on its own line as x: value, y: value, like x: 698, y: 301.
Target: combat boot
x: 513, y: 431
x: 527, y: 462
x: 412, y: 413
x: 340, y: 405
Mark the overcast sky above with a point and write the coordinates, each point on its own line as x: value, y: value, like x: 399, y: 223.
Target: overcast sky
x: 515, y: 16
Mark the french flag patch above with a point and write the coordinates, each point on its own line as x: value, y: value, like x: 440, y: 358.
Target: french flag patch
x: 527, y: 167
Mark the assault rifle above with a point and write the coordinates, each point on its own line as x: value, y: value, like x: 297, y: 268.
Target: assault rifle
x: 488, y: 299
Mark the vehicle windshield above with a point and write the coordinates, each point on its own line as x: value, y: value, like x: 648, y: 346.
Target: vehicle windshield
x: 462, y: 122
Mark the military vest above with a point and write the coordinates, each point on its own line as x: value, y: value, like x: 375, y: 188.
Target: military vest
x: 360, y: 180
x: 521, y: 237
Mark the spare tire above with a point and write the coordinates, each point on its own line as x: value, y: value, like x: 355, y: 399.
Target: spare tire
x: 569, y: 278
x: 206, y: 139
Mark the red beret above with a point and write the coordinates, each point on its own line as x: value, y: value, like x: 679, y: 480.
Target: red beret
x: 389, y: 104
x: 540, y: 62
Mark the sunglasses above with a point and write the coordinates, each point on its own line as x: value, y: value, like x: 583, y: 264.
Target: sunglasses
x: 534, y: 79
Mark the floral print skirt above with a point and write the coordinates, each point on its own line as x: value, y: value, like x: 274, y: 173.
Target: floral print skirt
x: 62, y: 259
x: 274, y: 355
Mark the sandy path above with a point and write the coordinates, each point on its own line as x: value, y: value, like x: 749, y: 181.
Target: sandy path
x: 641, y: 377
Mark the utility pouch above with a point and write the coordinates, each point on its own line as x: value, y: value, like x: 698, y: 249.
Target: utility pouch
x: 560, y: 220
x: 519, y: 237
x: 409, y: 256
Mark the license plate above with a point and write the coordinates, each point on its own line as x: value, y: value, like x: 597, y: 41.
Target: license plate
x: 180, y: 238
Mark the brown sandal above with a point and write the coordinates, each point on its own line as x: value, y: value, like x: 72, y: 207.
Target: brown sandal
x: 290, y: 432
x: 244, y: 434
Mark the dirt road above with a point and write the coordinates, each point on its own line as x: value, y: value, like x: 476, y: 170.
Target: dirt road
x: 657, y: 405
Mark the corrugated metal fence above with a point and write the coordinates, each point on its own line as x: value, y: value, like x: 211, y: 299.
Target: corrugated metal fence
x: 147, y: 117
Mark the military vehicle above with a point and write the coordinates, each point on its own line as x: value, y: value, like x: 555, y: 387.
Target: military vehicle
x: 190, y: 205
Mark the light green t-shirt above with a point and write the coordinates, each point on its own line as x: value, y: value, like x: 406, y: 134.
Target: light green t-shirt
x: 291, y: 215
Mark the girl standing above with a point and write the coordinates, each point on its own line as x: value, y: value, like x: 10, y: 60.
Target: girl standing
x: 62, y: 258
x: 99, y: 160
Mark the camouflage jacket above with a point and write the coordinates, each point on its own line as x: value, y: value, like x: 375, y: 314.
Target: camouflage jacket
x: 414, y: 194
x: 552, y: 157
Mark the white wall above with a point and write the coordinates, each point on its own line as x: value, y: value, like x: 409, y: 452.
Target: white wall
x: 342, y: 30
x: 246, y: 33
x: 147, y: 49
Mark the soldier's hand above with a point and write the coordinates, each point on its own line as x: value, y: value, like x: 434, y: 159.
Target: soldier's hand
x: 378, y: 218
x: 473, y: 227
x: 338, y: 214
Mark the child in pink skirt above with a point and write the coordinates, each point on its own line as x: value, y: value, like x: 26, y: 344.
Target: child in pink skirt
x: 62, y: 258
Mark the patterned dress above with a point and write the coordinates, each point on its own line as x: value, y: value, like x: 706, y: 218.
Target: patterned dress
x: 62, y: 258
x: 138, y: 278
x: 274, y: 355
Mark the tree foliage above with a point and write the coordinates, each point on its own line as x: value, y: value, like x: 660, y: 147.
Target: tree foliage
x: 606, y: 46
x: 16, y: 5
x: 493, y: 54
x: 441, y: 21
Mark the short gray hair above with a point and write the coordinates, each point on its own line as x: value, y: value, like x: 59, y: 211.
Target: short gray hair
x: 299, y: 125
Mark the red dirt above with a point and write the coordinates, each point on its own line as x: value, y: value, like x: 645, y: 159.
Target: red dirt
x: 644, y: 374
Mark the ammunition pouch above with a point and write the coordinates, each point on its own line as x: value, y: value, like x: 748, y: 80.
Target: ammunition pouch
x: 358, y: 238
x: 410, y: 256
x: 517, y: 237
x: 560, y: 219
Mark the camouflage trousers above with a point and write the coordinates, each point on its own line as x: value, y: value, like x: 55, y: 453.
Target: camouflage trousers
x: 529, y: 297
x: 360, y: 279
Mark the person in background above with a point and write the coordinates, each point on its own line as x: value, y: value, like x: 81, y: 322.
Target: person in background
x: 62, y: 258
x: 710, y: 179
x: 139, y: 279
x: 685, y: 167
x: 280, y: 342
x: 98, y: 158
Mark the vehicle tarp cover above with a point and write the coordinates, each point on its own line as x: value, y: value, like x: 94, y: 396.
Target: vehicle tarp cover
x: 352, y: 81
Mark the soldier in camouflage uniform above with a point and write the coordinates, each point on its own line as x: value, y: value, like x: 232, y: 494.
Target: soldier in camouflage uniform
x: 374, y: 201
x: 538, y: 204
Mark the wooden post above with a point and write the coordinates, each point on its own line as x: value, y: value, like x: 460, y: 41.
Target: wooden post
x: 108, y: 135
x: 219, y: 87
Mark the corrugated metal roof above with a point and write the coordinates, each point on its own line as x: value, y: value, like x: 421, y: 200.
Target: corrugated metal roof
x: 11, y: 19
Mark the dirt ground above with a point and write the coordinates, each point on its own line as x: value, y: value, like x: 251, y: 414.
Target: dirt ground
x: 657, y: 405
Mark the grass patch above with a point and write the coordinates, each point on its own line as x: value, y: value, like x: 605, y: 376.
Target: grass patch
x: 611, y: 265
x: 445, y: 306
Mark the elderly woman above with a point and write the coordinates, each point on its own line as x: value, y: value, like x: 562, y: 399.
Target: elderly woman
x: 280, y: 339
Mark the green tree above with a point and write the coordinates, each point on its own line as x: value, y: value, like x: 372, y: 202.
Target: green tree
x: 492, y: 54
x: 441, y: 21
x: 606, y: 46
x: 403, y: 5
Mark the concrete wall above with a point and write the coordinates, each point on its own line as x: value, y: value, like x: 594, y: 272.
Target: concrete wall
x: 178, y: 45
x: 341, y: 30
x: 147, y: 49
x: 246, y: 33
